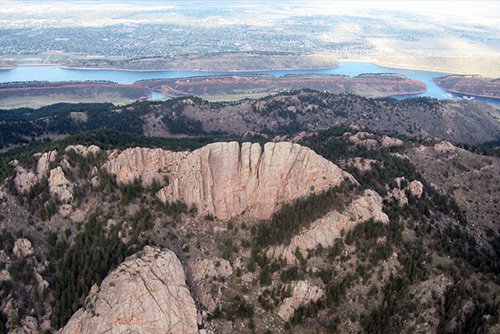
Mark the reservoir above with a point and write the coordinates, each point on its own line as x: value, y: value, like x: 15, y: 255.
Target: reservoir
x: 55, y: 73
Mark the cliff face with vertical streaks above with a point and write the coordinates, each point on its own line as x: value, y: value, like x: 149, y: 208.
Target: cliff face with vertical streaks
x: 226, y: 179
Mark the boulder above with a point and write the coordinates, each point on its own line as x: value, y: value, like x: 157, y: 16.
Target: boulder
x: 42, y: 284
x: 5, y: 275
x: 387, y: 141
x: 445, y: 147
x: 3, y: 195
x: 22, y: 248
x: 147, y: 293
x: 416, y: 188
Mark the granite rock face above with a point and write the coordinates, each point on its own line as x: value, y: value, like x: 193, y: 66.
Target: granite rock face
x: 43, y: 165
x: 60, y: 186
x: 325, y: 230
x: 147, y: 293
x: 206, y: 276
x: 303, y: 293
x: 145, y: 164
x: 226, y: 179
x: 83, y: 150
x: 25, y: 179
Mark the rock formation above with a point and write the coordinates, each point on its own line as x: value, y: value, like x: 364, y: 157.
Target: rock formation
x: 143, y: 163
x: 205, y: 274
x: 44, y: 160
x: 83, y: 150
x: 445, y: 147
x: 25, y: 179
x: 416, y: 188
x: 227, y: 180
x: 387, y: 141
x: 303, y: 293
x: 60, y: 186
x: 22, y: 248
x: 325, y: 230
x: 147, y: 293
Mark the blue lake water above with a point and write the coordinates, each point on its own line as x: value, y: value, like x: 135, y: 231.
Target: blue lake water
x: 54, y: 73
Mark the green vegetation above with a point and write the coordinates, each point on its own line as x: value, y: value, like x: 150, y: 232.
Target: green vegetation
x: 93, y: 254
x: 292, y: 217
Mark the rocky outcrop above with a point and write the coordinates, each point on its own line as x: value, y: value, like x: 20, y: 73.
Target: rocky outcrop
x: 3, y: 195
x: 145, y: 164
x: 303, y: 293
x: 60, y: 186
x: 25, y: 179
x: 210, y: 268
x: 226, y: 179
x: 325, y: 230
x: 423, y: 294
x: 399, y: 196
x: 361, y: 164
x: 205, y: 275
x: 445, y: 147
x: 387, y: 141
x: 362, y: 139
x: 147, y: 293
x: 44, y: 160
x: 22, y: 248
x: 83, y: 150
x: 416, y: 188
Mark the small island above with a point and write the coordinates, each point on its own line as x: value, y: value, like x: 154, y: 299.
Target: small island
x: 471, y: 85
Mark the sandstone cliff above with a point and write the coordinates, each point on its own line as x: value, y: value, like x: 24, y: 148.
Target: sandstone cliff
x: 147, y: 293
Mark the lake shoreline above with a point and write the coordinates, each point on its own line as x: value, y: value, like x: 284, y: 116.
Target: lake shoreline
x: 468, y: 94
x: 54, y: 73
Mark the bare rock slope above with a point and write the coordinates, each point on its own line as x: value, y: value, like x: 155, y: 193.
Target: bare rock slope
x: 226, y: 179
x: 325, y: 230
x: 147, y: 293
